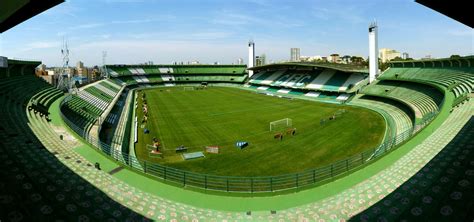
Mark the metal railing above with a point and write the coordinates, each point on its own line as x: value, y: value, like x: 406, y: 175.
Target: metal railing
x: 250, y: 184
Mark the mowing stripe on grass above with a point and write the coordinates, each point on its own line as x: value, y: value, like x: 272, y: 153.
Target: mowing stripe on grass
x: 221, y: 116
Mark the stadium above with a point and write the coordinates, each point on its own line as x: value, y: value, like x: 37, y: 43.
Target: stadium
x: 289, y: 141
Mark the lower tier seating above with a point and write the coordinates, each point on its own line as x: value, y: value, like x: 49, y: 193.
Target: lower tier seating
x: 36, y: 185
x: 44, y: 179
x: 436, y: 201
x: 399, y: 119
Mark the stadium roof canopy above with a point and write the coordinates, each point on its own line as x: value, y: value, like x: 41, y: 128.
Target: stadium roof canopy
x: 176, y: 66
x: 23, y: 62
x: 460, y: 11
x: 14, y: 12
x: 467, y: 61
x: 340, y: 67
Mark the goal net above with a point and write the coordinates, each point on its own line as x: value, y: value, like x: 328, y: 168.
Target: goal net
x: 281, y: 124
x: 186, y: 88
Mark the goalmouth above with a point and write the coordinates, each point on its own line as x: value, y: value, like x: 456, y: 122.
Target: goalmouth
x: 281, y: 124
x: 187, y: 88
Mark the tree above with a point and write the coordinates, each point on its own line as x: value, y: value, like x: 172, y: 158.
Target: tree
x: 357, y: 60
x: 398, y: 58
x: 383, y: 65
x: 455, y: 57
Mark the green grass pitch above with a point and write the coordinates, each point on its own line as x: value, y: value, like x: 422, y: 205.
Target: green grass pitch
x: 221, y: 116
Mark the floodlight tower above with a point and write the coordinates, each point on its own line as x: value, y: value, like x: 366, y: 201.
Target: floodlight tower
x: 251, y: 57
x: 104, y: 72
x: 373, y: 52
x: 64, y: 75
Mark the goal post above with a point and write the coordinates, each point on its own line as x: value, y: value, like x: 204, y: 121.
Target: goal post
x: 281, y: 124
x: 187, y: 88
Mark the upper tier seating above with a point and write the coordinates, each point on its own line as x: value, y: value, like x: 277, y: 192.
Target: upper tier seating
x: 322, y: 78
x: 208, y: 78
x: 115, y: 70
x: 182, y: 78
x: 111, y: 85
x: 353, y: 80
x: 422, y: 99
x: 260, y: 76
x: 336, y: 81
x: 319, y: 79
x: 83, y: 108
x: 47, y: 96
x: 208, y: 70
x: 141, y: 79
x: 306, y: 79
x: 119, y: 71
x: 461, y: 78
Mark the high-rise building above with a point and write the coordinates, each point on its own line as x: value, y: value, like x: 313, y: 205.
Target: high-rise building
x: 79, y: 65
x: 81, y: 71
x: 295, y: 54
x: 3, y: 62
x: 388, y: 54
x: 240, y: 61
x: 405, y: 55
x: 260, y: 60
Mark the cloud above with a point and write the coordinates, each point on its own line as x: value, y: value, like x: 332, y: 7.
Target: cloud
x: 64, y: 9
x: 147, y: 20
x: 88, y: 26
x: 231, y: 18
x: 123, y: 1
x: 466, y: 32
x: 338, y: 13
x: 40, y: 45
x: 189, y: 35
x: 123, y: 22
x: 264, y: 3
x: 210, y: 35
x: 160, y: 51
x: 105, y: 36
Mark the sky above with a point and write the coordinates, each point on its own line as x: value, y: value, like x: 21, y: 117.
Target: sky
x: 165, y: 31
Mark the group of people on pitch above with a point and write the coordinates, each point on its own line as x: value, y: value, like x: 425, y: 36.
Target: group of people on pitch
x: 291, y: 131
x: 156, y: 144
x: 145, y: 110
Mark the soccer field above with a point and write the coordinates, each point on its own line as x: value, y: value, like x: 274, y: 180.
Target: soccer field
x: 221, y: 116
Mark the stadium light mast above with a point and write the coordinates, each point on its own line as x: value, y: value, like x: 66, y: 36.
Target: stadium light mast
x: 104, y: 72
x: 64, y: 75
x: 251, y: 57
x: 373, y: 52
